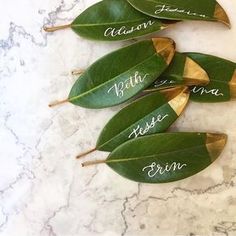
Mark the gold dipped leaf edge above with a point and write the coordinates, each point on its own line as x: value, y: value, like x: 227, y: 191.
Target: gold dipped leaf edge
x: 194, y: 74
x: 179, y: 102
x: 215, y: 144
x: 221, y: 15
x: 165, y: 47
x: 232, y: 86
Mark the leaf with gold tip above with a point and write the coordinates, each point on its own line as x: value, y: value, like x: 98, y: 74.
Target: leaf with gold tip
x: 182, y: 71
x: 120, y: 75
x: 165, y: 157
x: 153, y: 113
x: 111, y: 20
x: 222, y: 74
x: 208, y: 10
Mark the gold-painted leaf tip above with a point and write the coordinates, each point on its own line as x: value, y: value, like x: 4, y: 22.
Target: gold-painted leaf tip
x: 232, y: 86
x: 215, y: 144
x: 194, y: 74
x: 221, y: 15
x: 179, y: 102
x: 165, y: 47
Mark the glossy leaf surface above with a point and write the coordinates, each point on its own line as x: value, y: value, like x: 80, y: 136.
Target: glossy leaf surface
x: 208, y: 10
x: 150, y: 114
x: 120, y: 75
x: 166, y: 157
x: 222, y: 74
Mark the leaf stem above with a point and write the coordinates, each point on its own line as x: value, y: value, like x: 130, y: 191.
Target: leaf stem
x: 86, y: 153
x: 53, y: 104
x: 91, y: 163
x: 77, y: 72
x: 55, y: 28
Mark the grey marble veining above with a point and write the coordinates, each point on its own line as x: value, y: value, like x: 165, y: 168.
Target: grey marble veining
x: 43, y: 189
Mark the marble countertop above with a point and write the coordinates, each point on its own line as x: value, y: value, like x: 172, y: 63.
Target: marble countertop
x: 43, y: 189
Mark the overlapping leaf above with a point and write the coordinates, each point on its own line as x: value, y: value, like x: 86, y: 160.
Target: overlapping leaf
x: 182, y: 71
x: 120, y: 75
x: 208, y: 10
x: 166, y: 157
x: 111, y: 20
x: 148, y: 115
x: 222, y: 74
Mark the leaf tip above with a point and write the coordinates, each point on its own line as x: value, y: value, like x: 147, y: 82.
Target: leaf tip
x: 215, y: 144
x: 165, y: 47
x: 221, y: 15
x: 194, y: 74
x: 232, y: 85
x: 179, y: 102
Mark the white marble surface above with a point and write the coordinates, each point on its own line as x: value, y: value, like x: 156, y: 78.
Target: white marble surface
x: 43, y: 189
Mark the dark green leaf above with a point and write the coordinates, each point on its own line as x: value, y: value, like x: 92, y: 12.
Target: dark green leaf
x: 222, y: 73
x: 111, y: 20
x: 208, y: 10
x: 120, y: 75
x: 182, y: 71
x: 150, y: 114
x: 166, y: 157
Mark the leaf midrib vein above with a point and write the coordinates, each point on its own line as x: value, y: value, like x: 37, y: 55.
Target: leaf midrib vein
x: 151, y: 156
x: 108, y: 81
x: 114, y: 23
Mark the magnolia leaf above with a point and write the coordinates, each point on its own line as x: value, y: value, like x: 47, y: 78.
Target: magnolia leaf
x: 182, y: 71
x: 222, y: 73
x: 153, y: 113
x: 165, y: 157
x: 208, y: 10
x: 122, y: 74
x: 111, y: 20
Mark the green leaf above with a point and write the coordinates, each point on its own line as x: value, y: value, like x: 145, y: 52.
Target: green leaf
x: 166, y: 157
x: 222, y: 73
x: 208, y: 10
x: 120, y: 75
x: 111, y: 20
x: 182, y: 71
x: 153, y: 113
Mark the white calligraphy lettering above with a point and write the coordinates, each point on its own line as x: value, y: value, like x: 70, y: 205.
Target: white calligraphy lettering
x: 123, y: 30
x: 155, y: 169
x: 140, y: 131
x: 166, y: 8
x: 131, y: 82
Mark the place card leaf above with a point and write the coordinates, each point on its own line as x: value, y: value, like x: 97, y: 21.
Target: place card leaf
x: 222, y: 74
x: 207, y: 10
x: 120, y: 75
x: 111, y: 20
x: 166, y: 157
x: 153, y: 113
x: 182, y: 71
